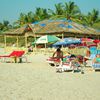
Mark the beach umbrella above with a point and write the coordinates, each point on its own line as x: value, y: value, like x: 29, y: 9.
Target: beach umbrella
x: 47, y: 39
x: 88, y: 42
x: 67, y: 41
x: 72, y: 40
x: 96, y: 41
x: 60, y: 43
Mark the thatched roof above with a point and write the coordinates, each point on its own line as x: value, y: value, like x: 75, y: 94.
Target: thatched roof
x: 61, y: 26
x: 17, y: 31
x: 53, y: 27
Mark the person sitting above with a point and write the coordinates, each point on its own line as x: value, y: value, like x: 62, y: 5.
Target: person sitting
x: 58, y: 54
x: 96, y: 62
x: 97, y: 59
x: 88, y: 53
x: 74, y: 63
x: 30, y: 49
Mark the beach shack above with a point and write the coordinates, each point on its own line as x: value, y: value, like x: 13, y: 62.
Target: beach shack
x: 59, y: 27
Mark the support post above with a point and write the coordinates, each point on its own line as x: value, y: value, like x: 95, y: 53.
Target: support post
x: 25, y: 41
x: 17, y: 41
x: 5, y: 42
x: 33, y: 33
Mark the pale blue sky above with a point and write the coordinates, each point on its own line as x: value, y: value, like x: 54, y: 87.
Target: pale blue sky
x: 10, y: 9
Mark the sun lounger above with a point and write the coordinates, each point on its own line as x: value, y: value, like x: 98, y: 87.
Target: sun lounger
x: 65, y: 65
x: 90, y: 63
x: 53, y: 61
x: 96, y: 66
x: 15, y: 55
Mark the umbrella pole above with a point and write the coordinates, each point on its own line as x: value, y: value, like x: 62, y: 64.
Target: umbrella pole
x: 34, y: 34
x: 62, y: 38
x: 45, y: 48
x: 45, y: 45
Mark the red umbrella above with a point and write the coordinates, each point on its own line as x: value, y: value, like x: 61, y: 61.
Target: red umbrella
x: 86, y: 40
x: 96, y: 41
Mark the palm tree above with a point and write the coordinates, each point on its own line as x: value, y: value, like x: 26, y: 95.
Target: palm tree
x: 40, y: 14
x: 72, y: 11
x: 59, y: 11
x: 92, y: 18
x: 69, y: 11
x: 1, y: 26
x: 30, y: 17
x: 22, y: 19
x: 5, y: 25
x: 97, y: 25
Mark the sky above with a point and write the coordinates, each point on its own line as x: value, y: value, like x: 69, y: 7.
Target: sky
x: 10, y: 9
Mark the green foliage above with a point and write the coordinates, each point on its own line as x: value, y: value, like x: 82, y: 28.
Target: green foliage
x: 91, y: 18
x: 97, y: 25
x: 67, y: 10
x: 5, y: 25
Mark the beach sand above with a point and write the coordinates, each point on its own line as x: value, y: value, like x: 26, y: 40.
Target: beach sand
x: 37, y: 80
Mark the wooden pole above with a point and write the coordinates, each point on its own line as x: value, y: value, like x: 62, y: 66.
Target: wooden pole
x: 33, y: 33
x: 45, y: 46
x: 98, y: 37
x: 17, y: 41
x: 5, y: 41
x: 25, y: 41
x: 35, y: 40
x: 62, y: 38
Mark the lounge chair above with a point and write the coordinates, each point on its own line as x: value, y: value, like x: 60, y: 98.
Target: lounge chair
x: 68, y: 64
x: 95, y: 66
x: 15, y: 55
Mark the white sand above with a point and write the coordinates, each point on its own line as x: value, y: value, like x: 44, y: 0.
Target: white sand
x: 39, y: 81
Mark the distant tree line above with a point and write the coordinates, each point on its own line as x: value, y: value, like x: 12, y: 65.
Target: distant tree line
x: 67, y: 10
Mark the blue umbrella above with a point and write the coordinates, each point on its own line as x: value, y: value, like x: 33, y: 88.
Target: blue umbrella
x: 72, y: 40
x: 67, y: 41
x: 62, y: 42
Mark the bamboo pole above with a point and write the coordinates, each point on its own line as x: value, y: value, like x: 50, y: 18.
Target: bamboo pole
x: 33, y: 33
x: 17, y: 41
x: 5, y: 42
x: 25, y: 41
